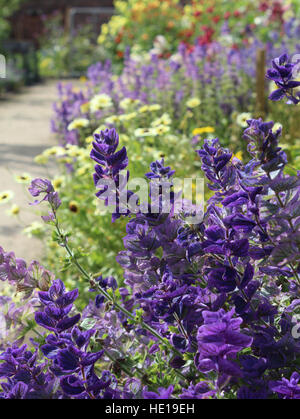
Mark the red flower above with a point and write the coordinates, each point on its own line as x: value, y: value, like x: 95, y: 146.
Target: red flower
x: 263, y: 6
x: 227, y: 15
x: 216, y: 19
x: 188, y: 34
x: 207, y: 38
x: 190, y: 48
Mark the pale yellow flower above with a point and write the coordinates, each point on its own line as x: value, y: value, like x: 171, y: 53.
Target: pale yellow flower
x: 143, y: 132
x: 193, y: 102
x: 54, y: 151
x: 14, y: 210
x: 113, y: 119
x: 128, y: 116
x: 78, y: 123
x: 83, y: 170
x: 160, y: 130
x: 23, y: 178
x: 163, y: 120
x: 89, y: 139
x: 242, y: 118
x: 124, y: 138
x: 276, y: 127
x: 6, y: 196
x: 75, y: 151
x: 154, y: 107
x: 41, y: 159
x: 58, y: 182
x: 144, y: 109
x: 85, y: 107
x: 100, y: 102
x: 128, y: 102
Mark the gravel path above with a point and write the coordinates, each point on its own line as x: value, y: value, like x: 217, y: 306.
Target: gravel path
x: 24, y: 133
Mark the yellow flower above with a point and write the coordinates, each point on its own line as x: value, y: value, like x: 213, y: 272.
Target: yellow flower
x: 160, y: 130
x: 99, y: 102
x: 78, y: 123
x: 127, y: 102
x: 114, y: 119
x: 104, y: 29
x: 75, y: 151
x: 83, y: 170
x: 144, y: 109
x: 143, y: 132
x: 128, y: 116
x: 155, y: 107
x: 238, y: 155
x: 41, y: 159
x: 24, y: 178
x: 276, y: 127
x: 101, y: 39
x: 15, y: 210
x: 6, y: 196
x: 83, y: 79
x: 242, y: 118
x: 206, y: 130
x: 45, y: 63
x: 85, y: 107
x: 54, y: 151
x: 57, y: 182
x: 121, y: 6
x: 193, y: 102
x: 89, y: 139
x: 124, y: 138
x: 163, y: 120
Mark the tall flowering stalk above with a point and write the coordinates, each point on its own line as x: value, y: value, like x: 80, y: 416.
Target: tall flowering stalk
x: 284, y: 73
x: 219, y: 297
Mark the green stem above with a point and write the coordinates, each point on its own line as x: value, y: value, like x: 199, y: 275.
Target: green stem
x: 74, y: 260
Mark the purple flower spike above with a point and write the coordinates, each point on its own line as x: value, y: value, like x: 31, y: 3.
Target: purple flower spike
x: 39, y: 186
x: 282, y: 73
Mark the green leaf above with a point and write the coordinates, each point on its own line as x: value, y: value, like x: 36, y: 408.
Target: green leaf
x: 88, y: 324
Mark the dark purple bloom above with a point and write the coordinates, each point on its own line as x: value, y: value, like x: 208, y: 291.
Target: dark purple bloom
x: 159, y: 171
x: 282, y: 73
x: 201, y: 390
x: 39, y: 186
x: 287, y: 389
x: 163, y: 393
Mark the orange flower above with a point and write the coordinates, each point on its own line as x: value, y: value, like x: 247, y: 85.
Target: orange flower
x: 170, y: 25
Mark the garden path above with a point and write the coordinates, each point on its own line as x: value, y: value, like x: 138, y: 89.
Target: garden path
x: 24, y: 133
